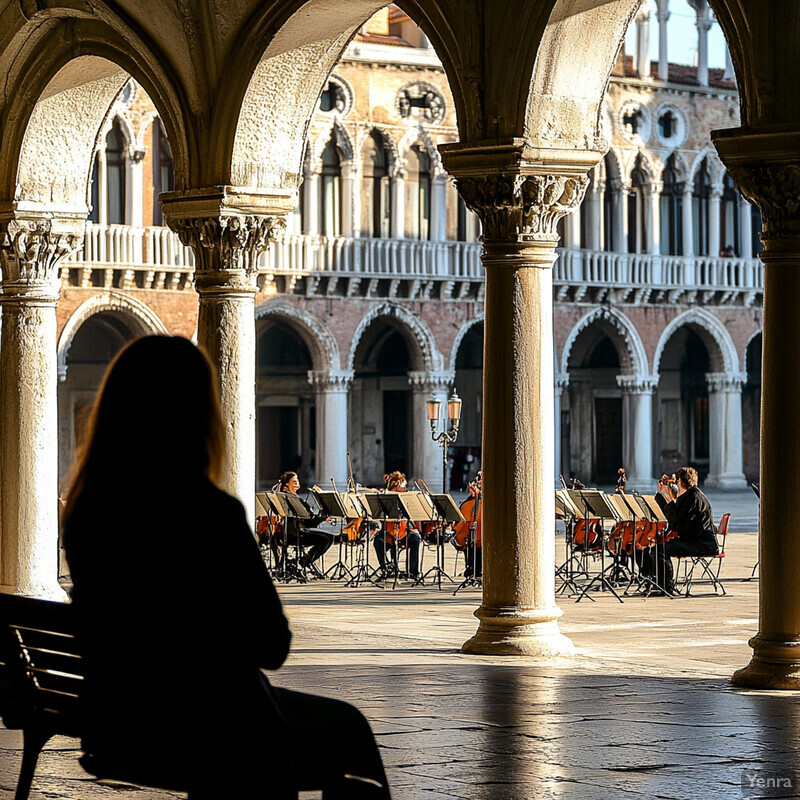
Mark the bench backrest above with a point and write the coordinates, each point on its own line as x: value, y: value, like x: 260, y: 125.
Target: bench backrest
x: 40, y: 665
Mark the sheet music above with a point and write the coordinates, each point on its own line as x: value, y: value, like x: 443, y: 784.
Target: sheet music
x: 295, y: 506
x: 262, y: 505
x: 416, y: 509
x: 277, y: 503
x: 330, y: 504
x: 446, y: 507
x: 621, y: 507
x: 650, y: 499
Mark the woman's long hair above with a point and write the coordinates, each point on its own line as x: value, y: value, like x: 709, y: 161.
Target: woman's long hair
x: 156, y: 418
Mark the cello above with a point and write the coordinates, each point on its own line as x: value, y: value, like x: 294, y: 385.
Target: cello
x: 471, y: 509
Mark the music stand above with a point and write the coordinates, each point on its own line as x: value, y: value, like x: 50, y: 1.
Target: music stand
x: 653, y: 513
x: 356, y: 507
x: 567, y: 510
x: 596, y: 501
x: 330, y: 504
x: 295, y: 510
x: 385, y: 506
x: 444, y: 508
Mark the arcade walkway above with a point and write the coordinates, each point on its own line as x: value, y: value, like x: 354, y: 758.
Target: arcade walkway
x: 645, y: 711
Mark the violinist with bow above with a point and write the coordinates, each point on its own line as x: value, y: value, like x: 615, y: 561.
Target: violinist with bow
x: 690, y: 516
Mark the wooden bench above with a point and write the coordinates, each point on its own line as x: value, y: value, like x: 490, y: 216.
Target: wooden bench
x: 41, y: 674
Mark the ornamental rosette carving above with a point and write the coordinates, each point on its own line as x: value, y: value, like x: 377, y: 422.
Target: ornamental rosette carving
x: 31, y: 251
x: 229, y: 242
x: 775, y: 189
x: 522, y: 207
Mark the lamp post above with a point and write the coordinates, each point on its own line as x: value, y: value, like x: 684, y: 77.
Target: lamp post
x: 449, y: 434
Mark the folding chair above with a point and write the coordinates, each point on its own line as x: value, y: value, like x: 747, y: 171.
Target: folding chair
x: 710, y: 565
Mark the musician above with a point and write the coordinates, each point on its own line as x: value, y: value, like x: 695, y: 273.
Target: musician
x: 405, y: 532
x: 688, y: 514
x: 313, y: 540
x: 474, y: 551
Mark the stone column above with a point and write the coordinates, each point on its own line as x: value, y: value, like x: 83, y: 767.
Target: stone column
x: 714, y: 203
x: 32, y: 246
x: 687, y: 220
x: 729, y: 74
x: 561, y: 382
x: 573, y: 229
x: 332, y: 388
x: 520, y: 205
x: 663, y: 54
x: 745, y: 229
x: 102, y: 185
x: 592, y: 208
x: 426, y: 455
x: 398, y: 226
x: 642, y: 66
x: 311, y: 220
x: 348, y: 180
x: 439, y: 207
x: 704, y: 23
x: 654, y: 222
x: 637, y: 429
x: 725, y: 430
x: 227, y: 232
x: 766, y: 168
x: 134, y: 187
x: 619, y: 232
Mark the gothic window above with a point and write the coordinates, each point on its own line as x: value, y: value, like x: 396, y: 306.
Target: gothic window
x: 115, y: 174
x: 637, y: 210
x: 729, y: 216
x: 700, y: 209
x: 332, y: 98
x: 163, y: 173
x: 418, y: 195
x: 330, y: 199
x: 666, y: 125
x: 94, y: 211
x: 671, y: 211
x: 608, y: 214
x: 376, y: 190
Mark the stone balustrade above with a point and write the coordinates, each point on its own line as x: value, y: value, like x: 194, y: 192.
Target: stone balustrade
x: 126, y: 257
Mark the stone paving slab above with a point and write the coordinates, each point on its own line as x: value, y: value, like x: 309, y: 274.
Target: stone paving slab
x: 643, y: 711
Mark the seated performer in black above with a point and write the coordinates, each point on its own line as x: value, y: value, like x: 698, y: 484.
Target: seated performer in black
x: 402, y: 531
x: 688, y: 514
x: 177, y: 615
x: 314, y: 541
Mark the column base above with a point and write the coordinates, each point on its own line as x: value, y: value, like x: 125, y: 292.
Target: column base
x: 518, y: 632
x: 775, y: 665
x: 729, y: 480
x: 49, y: 592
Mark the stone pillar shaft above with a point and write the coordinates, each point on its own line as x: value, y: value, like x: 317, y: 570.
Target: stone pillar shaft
x: 714, y: 202
x: 663, y: 39
x: 654, y: 219
x: 637, y: 426
x: 520, y: 213
x: 725, y: 431
x: 439, y: 208
x: 767, y: 170
x: 703, y: 26
x: 592, y: 207
x: 745, y: 230
x: 134, y: 188
x: 332, y: 388
x: 426, y: 453
x: 398, y: 226
x: 619, y: 233
x: 31, y: 248
x: 687, y: 222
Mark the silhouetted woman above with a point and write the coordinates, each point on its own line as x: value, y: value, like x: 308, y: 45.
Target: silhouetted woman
x: 177, y: 613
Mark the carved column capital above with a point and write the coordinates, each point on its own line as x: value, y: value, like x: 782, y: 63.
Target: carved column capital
x: 330, y: 380
x: 766, y: 168
x: 561, y: 382
x: 637, y: 384
x: 227, y: 229
x: 431, y: 382
x: 726, y: 381
x: 32, y: 246
x: 515, y: 207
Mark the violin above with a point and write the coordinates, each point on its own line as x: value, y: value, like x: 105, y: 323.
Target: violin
x: 472, y: 511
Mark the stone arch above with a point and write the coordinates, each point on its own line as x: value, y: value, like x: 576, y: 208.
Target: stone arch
x: 341, y: 138
x: 424, y: 354
x: 314, y: 332
x: 682, y: 166
x: 420, y: 136
x: 750, y: 339
x: 633, y: 358
x: 50, y: 77
x: 610, y: 165
x: 715, y: 168
x: 714, y: 334
x: 386, y: 137
x: 649, y: 163
x: 462, y: 332
x: 145, y: 321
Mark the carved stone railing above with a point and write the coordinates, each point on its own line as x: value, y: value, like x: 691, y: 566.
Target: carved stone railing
x: 121, y: 256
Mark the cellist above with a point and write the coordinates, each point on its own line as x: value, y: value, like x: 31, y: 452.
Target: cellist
x: 406, y: 533
x: 468, y: 534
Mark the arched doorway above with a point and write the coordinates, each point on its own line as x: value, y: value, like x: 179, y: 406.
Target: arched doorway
x: 93, y: 348
x: 381, y: 412
x: 286, y: 413
x: 683, y: 403
x: 751, y: 412
x: 469, y: 383
x: 593, y: 404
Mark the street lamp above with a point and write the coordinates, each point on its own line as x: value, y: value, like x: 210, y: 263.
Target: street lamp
x: 450, y: 425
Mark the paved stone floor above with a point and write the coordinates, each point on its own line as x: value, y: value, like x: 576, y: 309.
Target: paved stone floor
x: 644, y: 710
